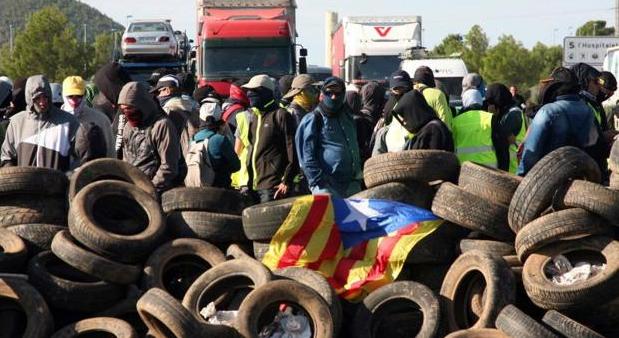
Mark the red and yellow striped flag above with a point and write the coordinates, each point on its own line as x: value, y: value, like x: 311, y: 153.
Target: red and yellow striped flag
x: 358, y: 245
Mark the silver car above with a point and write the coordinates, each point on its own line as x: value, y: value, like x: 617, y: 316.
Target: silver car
x: 149, y: 38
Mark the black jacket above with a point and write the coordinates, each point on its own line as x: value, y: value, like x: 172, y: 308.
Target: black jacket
x: 273, y: 150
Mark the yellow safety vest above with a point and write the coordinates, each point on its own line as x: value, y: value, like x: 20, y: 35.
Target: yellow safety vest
x: 472, y: 133
x: 513, y: 148
x: 596, y: 113
x: 241, y: 177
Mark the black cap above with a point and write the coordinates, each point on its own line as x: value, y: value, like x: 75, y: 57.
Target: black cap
x: 608, y: 81
x: 165, y: 82
x: 400, y: 78
x: 158, y: 74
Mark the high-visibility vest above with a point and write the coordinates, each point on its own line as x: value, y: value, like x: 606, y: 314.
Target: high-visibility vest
x: 513, y: 148
x: 241, y: 177
x: 597, y: 114
x: 472, y: 133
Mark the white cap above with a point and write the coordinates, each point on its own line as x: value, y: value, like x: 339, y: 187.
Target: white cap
x: 260, y: 81
x: 210, y: 107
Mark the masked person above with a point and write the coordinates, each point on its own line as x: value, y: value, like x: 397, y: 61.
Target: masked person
x: 425, y: 83
x: 42, y: 135
x: 303, y: 97
x: 271, y: 135
x: 326, y: 143
x: 391, y: 131
x: 426, y: 130
x: 236, y: 103
x: 150, y: 141
x: 74, y: 89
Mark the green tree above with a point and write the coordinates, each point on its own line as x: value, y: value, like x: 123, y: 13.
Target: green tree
x: 103, y: 49
x: 509, y: 63
x: 546, y: 58
x: 48, y: 45
x: 452, y: 44
x: 476, y: 44
x: 595, y: 28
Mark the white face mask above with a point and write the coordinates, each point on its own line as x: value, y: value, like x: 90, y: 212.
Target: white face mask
x: 73, y: 105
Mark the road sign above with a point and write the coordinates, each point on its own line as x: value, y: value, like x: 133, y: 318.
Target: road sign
x: 587, y: 49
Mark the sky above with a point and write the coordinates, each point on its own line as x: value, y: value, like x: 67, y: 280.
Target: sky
x: 530, y: 21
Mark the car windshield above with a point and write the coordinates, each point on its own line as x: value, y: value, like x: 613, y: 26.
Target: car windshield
x: 248, y: 61
x: 451, y: 85
x: 144, y: 27
x: 375, y: 67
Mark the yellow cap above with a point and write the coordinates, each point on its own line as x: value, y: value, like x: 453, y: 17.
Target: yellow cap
x: 73, y: 86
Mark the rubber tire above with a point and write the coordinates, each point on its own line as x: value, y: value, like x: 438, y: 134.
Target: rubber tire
x: 495, y: 248
x: 516, y: 323
x: 472, y: 212
x: 281, y: 291
x: 109, y: 169
x: 37, y: 237
x: 439, y: 247
x: 478, y: 333
x: 116, y: 327
x: 567, y: 326
x: 318, y: 283
x: 63, y: 294
x: 212, y: 283
x: 595, y: 198
x: 71, y: 252
x: 157, y: 308
x: 40, y: 323
x: 489, y: 183
x: 411, y: 165
x: 546, y: 179
x: 500, y: 288
x: 546, y: 295
x: 125, y: 249
x: 417, y: 194
x: 262, y: 221
x: 235, y: 251
x: 260, y: 249
x: 412, y: 292
x: 207, y: 199
x: 33, y: 180
x: 211, y: 227
x: 559, y: 226
x: 27, y: 209
x: 13, y: 252
x: 158, y: 261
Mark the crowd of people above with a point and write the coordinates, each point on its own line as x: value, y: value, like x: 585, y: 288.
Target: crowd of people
x: 272, y: 139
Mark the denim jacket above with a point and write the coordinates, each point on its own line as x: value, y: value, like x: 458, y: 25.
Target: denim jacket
x: 328, y: 152
x: 566, y: 122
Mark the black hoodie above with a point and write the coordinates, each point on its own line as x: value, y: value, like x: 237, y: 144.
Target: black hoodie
x: 421, y: 120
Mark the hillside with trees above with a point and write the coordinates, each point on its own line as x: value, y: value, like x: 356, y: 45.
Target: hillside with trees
x: 17, y: 13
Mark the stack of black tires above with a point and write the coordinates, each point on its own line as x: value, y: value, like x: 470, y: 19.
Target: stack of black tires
x: 100, y: 254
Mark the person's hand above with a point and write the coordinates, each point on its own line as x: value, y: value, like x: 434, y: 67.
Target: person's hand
x: 282, y: 190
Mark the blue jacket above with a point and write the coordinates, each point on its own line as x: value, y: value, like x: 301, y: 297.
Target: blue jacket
x: 566, y: 122
x: 328, y: 152
x: 222, y: 155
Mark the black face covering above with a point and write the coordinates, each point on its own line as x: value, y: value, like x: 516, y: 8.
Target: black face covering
x: 260, y: 98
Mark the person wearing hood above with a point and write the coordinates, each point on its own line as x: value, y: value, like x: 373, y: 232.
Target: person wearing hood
x: 400, y: 83
x: 564, y: 120
x: 420, y: 120
x: 74, y: 89
x: 510, y: 125
x: 372, y: 102
x: 150, y: 140
x: 180, y: 111
x: 236, y: 103
x: 474, y: 81
x: 388, y: 128
x: 273, y: 161
x: 326, y: 143
x: 472, y: 131
x: 42, y: 135
x: 424, y: 83
x: 219, y: 149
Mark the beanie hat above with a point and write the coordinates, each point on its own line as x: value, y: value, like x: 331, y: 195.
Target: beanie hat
x: 73, y: 86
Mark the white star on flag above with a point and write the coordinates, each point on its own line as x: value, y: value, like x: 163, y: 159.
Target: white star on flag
x: 360, y: 212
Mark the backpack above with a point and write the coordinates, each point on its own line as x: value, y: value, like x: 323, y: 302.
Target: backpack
x: 200, y: 172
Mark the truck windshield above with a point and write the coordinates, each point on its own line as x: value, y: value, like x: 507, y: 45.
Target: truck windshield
x: 375, y: 67
x: 247, y: 61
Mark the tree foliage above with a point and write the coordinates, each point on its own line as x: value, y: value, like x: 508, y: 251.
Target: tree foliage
x: 452, y: 44
x: 103, y: 49
x: 476, y: 43
x: 48, y: 45
x: 508, y: 62
x: 595, y: 28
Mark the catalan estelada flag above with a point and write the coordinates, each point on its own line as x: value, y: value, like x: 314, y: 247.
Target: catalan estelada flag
x: 359, y: 245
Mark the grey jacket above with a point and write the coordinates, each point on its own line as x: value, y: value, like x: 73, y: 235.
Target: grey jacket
x: 152, y: 146
x: 41, y: 139
x: 87, y: 115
